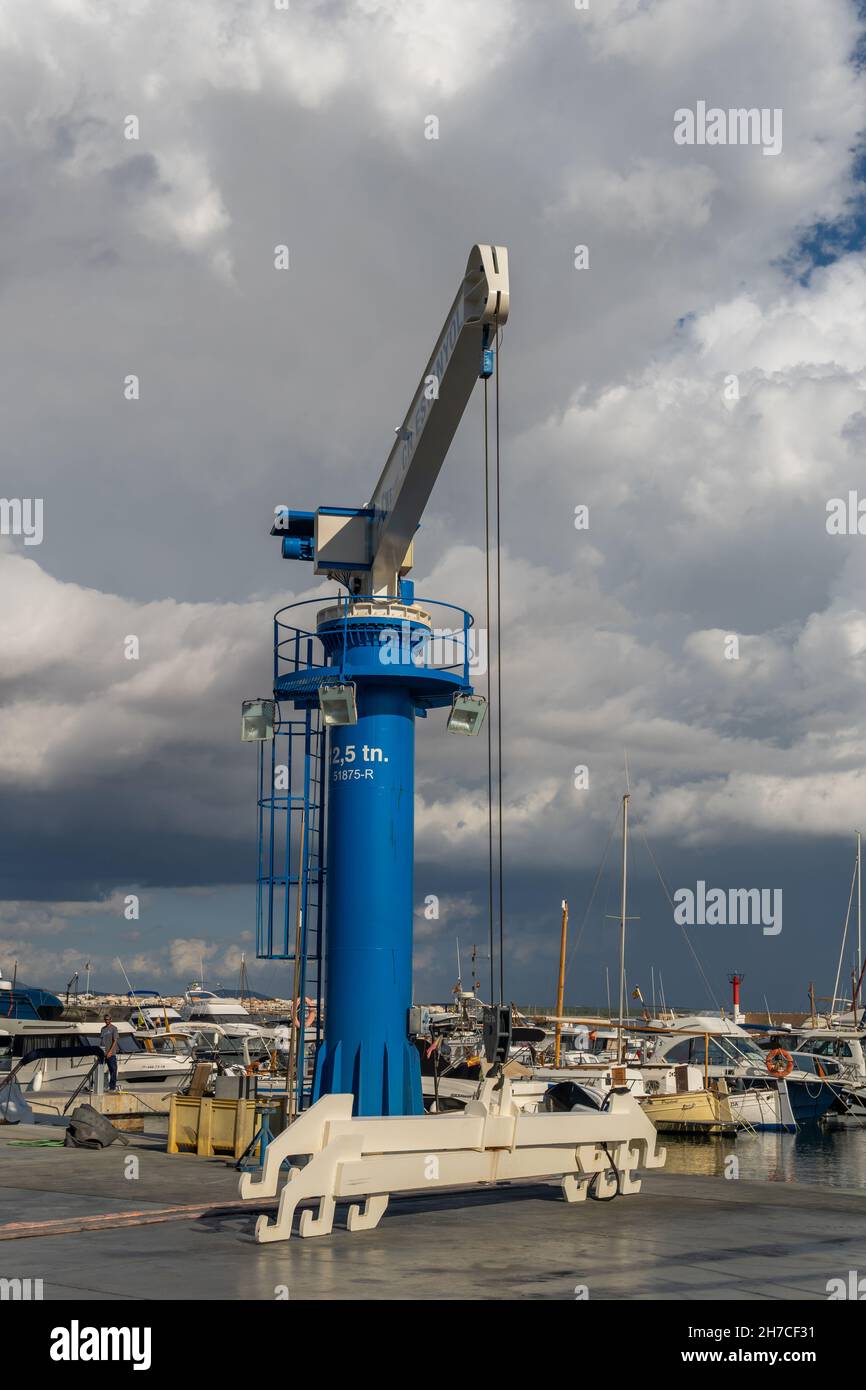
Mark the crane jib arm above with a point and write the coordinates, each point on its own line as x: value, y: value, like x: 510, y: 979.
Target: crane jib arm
x: 422, y: 443
x: 369, y: 548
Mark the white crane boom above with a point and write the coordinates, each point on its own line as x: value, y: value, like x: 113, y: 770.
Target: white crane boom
x: 423, y: 440
x: 370, y: 548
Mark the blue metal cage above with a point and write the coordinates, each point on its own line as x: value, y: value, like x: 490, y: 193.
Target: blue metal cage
x: 291, y: 869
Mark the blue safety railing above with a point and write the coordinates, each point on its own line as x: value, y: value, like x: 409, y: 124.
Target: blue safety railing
x: 323, y: 652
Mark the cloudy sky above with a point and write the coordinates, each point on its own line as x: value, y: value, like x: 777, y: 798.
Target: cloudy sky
x: 699, y: 386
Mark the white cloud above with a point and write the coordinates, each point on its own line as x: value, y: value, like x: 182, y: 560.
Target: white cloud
x: 187, y: 955
x: 648, y: 199
x: 36, y: 963
x: 51, y: 918
x: 686, y: 712
x: 102, y: 711
x: 87, y: 69
x: 707, y: 513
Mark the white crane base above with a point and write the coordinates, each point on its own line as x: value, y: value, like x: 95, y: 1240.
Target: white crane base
x: 491, y: 1141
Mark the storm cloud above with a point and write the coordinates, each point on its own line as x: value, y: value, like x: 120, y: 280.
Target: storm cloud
x: 698, y: 388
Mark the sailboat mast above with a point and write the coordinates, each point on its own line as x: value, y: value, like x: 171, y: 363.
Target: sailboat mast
x: 620, y: 1050
x: 560, y: 988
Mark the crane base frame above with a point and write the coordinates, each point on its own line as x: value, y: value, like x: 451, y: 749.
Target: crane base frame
x: 490, y: 1142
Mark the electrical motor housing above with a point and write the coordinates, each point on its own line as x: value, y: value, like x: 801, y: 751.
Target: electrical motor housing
x: 497, y: 1033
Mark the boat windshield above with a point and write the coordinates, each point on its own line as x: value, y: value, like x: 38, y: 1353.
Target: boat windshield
x: 126, y: 1042
x: 723, y: 1052
x: 239, y: 1016
x: 742, y: 1048
x: 826, y: 1047
x: 231, y: 1049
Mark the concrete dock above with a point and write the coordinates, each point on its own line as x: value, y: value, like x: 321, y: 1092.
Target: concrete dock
x: 694, y: 1238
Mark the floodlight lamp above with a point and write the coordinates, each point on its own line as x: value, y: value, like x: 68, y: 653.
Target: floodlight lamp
x: 338, y: 703
x: 467, y: 714
x: 257, y: 721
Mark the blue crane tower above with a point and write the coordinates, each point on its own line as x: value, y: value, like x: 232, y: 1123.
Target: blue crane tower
x: 338, y: 786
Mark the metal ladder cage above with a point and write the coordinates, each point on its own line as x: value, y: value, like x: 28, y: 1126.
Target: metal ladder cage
x: 291, y: 829
x: 291, y: 870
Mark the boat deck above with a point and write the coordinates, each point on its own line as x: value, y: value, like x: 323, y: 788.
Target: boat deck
x: 695, y: 1238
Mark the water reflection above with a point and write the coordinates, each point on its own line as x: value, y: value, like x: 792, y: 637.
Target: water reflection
x: 815, y: 1157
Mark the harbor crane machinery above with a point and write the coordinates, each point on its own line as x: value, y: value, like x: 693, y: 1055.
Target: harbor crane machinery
x: 357, y: 675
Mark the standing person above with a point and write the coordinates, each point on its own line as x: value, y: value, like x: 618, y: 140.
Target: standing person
x: 109, y: 1041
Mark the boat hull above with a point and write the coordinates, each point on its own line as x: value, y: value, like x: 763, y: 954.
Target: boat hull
x: 691, y: 1112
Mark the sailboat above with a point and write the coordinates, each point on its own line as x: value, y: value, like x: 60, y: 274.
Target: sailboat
x: 691, y: 1105
x: 735, y: 1089
x: 832, y: 1047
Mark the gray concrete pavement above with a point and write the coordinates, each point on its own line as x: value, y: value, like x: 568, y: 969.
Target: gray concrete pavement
x: 694, y: 1238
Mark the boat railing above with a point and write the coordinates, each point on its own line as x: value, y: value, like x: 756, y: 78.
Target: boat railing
x: 92, y: 1075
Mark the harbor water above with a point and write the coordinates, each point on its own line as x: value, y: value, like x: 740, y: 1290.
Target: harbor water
x: 815, y: 1157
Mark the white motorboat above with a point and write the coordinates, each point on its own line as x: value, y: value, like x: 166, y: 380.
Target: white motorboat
x: 836, y: 1053
x: 164, y: 1060
x: 724, y: 1050
x: 205, y: 1009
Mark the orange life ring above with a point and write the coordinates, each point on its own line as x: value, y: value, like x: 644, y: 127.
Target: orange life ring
x: 311, y: 1011
x: 787, y: 1065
